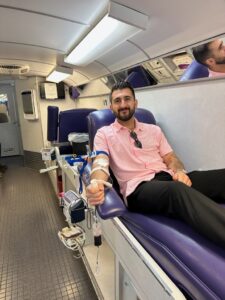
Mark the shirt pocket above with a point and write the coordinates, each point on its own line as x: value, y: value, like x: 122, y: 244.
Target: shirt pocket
x: 150, y: 147
x: 114, y: 144
x: 149, y: 154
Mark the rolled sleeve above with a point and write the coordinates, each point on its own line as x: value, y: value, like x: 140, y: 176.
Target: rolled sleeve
x: 164, y: 146
x: 100, y: 142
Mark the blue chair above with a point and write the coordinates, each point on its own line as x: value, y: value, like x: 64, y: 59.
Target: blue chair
x: 195, y: 264
x: 195, y: 70
x: 60, y: 124
x: 139, y: 77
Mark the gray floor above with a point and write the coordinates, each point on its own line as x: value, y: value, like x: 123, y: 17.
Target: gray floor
x: 34, y: 264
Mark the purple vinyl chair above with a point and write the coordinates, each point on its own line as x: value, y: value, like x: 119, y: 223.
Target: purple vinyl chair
x: 195, y: 264
x: 60, y: 124
x: 195, y: 70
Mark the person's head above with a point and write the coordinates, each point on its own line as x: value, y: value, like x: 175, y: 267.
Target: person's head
x: 210, y: 54
x: 123, y: 102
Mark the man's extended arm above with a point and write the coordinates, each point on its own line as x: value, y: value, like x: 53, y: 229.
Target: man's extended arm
x: 172, y: 162
x: 99, y: 174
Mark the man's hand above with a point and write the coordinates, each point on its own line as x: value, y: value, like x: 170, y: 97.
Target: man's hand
x: 95, y: 193
x: 182, y: 177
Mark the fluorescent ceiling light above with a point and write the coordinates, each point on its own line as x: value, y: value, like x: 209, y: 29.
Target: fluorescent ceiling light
x: 118, y: 25
x: 59, y: 74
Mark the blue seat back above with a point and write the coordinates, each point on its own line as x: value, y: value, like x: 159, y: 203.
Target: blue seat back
x: 104, y: 117
x: 73, y: 120
x: 65, y: 122
x: 195, y: 70
x: 52, y: 123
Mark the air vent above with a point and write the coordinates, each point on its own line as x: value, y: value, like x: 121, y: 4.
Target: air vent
x: 14, y: 69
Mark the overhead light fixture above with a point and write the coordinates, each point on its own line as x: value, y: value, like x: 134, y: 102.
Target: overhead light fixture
x: 59, y: 74
x: 118, y: 25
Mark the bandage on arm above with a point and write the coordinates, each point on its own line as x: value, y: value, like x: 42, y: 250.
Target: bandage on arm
x: 100, y: 170
x: 105, y: 183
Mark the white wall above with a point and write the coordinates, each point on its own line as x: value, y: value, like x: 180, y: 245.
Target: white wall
x: 31, y: 130
x: 34, y: 133
x: 97, y: 102
x: 63, y: 104
x: 192, y: 115
x: 95, y: 87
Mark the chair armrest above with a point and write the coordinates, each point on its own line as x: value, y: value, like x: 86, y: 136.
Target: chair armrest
x: 113, y: 205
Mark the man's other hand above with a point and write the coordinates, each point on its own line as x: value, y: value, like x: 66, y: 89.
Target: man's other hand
x: 95, y: 193
x: 182, y: 177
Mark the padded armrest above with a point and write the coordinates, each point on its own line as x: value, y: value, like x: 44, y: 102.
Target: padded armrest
x: 113, y: 205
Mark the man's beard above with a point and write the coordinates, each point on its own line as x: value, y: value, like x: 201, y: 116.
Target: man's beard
x: 220, y: 61
x: 126, y: 117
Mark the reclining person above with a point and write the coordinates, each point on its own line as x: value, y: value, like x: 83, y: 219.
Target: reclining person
x: 212, y: 55
x: 151, y: 177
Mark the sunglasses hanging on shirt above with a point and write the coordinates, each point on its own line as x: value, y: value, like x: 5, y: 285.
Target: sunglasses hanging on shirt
x: 137, y: 143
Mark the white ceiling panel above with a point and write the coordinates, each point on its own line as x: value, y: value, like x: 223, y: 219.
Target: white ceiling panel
x: 94, y: 70
x: 31, y: 53
x: 183, y: 12
x: 34, y: 67
x: 39, y: 30
x: 123, y: 56
x: 77, y: 78
x: 80, y: 11
x: 181, y: 24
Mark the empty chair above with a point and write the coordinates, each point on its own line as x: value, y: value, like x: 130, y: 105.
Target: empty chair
x: 195, y: 70
x: 61, y: 124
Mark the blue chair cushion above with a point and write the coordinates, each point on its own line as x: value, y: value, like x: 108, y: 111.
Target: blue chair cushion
x: 73, y: 120
x: 195, y: 70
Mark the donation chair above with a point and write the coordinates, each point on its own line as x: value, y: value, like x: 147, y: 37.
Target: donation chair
x: 60, y: 124
x: 195, y: 70
x: 194, y: 264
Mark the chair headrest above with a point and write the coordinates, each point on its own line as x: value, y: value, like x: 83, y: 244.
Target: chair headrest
x: 73, y: 120
x: 195, y: 70
x: 65, y: 122
x: 105, y: 117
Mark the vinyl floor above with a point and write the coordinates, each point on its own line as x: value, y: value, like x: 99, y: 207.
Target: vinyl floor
x: 34, y: 264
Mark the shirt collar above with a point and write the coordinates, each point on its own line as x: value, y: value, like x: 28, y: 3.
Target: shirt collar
x: 215, y: 74
x: 138, y: 126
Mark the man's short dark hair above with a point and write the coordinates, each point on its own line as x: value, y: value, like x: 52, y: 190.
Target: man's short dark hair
x: 202, y: 53
x: 120, y: 86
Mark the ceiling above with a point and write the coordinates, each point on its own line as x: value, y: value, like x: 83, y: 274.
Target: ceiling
x: 38, y: 34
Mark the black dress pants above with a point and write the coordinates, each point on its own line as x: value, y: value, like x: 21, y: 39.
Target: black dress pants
x: 195, y: 205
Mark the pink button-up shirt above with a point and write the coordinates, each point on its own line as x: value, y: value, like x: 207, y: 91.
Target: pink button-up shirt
x: 132, y: 165
x: 215, y: 74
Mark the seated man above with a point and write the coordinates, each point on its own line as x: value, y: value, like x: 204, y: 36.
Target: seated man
x: 212, y: 55
x: 151, y: 177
